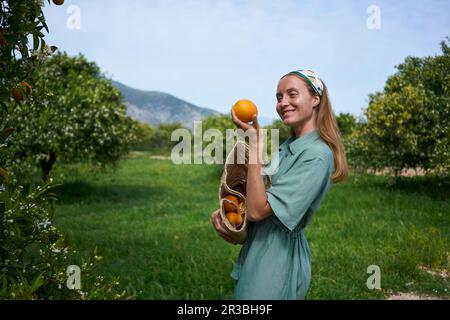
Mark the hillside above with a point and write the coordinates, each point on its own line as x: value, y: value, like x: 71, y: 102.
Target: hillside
x: 155, y: 107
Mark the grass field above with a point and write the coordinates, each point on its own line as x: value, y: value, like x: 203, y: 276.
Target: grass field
x: 150, y: 222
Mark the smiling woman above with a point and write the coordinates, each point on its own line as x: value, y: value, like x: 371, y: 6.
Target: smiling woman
x: 274, y: 262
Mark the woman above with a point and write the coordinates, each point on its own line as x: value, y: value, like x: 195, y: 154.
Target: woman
x: 275, y: 260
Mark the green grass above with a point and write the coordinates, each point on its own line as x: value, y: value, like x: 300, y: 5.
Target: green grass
x: 150, y: 222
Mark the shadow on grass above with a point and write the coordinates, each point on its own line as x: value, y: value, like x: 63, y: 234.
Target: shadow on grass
x: 437, y: 188
x: 81, y: 191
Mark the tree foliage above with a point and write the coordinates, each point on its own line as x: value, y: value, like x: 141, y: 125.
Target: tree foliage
x: 284, y: 131
x: 74, y: 114
x: 34, y: 255
x: 347, y: 123
x: 20, y: 21
x: 408, y: 124
x: 221, y: 123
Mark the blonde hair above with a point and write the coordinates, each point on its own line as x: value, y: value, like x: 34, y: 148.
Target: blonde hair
x: 329, y: 132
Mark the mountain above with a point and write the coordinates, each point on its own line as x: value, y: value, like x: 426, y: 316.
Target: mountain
x: 154, y: 107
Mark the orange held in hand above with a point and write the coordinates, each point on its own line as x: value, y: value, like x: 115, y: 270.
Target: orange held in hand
x: 245, y: 110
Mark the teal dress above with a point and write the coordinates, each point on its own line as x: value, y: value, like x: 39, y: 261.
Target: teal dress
x: 275, y: 260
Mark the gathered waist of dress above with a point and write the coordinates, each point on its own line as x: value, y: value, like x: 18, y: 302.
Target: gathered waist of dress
x: 297, y: 231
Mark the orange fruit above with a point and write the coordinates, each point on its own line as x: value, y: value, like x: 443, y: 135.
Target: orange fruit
x: 58, y: 2
x: 238, y: 220
x: 228, y: 206
x: 245, y: 110
x: 241, y: 208
x: 17, y: 94
x: 232, y: 216
x: 20, y: 90
x: 26, y: 87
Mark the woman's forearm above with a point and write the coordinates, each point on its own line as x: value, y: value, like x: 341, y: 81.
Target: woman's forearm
x: 258, y: 207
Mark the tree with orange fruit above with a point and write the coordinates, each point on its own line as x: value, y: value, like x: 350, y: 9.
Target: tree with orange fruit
x: 20, y: 21
x: 75, y: 114
x: 34, y: 254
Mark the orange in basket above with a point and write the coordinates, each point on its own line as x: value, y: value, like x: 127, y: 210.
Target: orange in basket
x: 234, y: 218
x: 230, y: 206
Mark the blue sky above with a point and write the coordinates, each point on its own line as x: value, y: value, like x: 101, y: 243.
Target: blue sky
x: 212, y: 53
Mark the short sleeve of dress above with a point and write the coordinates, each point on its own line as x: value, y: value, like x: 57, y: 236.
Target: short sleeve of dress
x: 292, y: 194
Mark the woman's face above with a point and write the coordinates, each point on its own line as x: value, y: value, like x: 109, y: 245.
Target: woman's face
x: 295, y: 104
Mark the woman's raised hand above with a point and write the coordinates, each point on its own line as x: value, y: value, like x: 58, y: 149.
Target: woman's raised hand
x: 242, y: 125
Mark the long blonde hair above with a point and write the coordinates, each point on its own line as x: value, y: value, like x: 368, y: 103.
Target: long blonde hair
x: 329, y: 132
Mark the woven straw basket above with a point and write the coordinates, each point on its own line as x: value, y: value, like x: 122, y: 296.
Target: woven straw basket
x: 233, y: 182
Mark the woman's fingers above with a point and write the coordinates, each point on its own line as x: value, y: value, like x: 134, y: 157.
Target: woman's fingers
x: 217, y: 222
x: 240, y: 124
x: 255, y: 123
x: 245, y: 126
x: 218, y: 225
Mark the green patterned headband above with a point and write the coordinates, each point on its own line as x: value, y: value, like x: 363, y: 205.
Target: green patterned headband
x: 311, y: 78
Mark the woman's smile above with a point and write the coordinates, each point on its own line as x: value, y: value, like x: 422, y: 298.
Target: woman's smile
x: 285, y: 113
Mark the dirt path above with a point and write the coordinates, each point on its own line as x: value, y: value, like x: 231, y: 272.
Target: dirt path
x: 442, y: 273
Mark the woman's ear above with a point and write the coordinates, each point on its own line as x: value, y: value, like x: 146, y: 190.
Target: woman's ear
x: 316, y: 100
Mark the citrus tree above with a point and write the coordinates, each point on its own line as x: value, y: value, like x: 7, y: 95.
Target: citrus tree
x: 74, y: 114
x: 407, y: 125
x: 34, y: 255
x: 19, y: 21
x: 284, y: 131
x: 159, y: 140
x: 346, y: 123
x: 221, y: 123
x: 144, y: 133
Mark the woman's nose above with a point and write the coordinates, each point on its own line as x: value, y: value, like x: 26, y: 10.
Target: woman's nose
x: 284, y: 101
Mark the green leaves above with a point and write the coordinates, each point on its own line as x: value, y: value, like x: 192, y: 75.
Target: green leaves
x: 408, y: 123
x: 75, y: 114
x: 346, y: 123
x: 20, y: 19
x: 34, y: 255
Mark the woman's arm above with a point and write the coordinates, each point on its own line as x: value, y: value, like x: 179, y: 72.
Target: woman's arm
x: 258, y: 208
